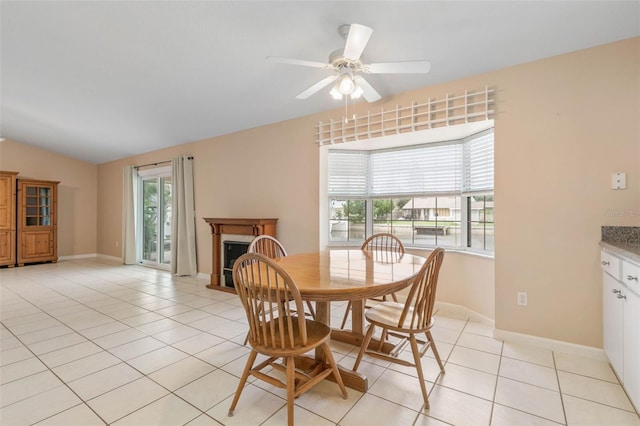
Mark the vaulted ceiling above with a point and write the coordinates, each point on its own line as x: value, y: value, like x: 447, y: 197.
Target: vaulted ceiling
x: 103, y: 80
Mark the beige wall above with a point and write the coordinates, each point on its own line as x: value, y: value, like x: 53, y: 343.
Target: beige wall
x: 77, y: 200
x: 563, y: 125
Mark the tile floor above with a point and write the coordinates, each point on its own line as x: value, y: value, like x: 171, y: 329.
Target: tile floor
x: 87, y: 342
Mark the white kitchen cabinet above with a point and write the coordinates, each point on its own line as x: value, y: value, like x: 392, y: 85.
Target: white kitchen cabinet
x: 621, y: 321
x: 612, y: 323
x: 610, y: 264
x: 632, y: 347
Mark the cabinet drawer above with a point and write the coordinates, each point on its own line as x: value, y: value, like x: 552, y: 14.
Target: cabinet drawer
x: 631, y: 276
x: 610, y: 264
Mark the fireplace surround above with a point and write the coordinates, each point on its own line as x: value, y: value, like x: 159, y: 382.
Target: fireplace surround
x: 231, y: 227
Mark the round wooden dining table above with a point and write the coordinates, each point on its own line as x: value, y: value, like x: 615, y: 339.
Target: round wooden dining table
x: 349, y: 275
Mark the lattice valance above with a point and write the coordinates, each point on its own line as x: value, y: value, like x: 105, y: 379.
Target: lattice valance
x: 472, y: 106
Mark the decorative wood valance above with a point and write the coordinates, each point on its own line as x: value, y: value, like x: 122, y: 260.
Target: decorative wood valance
x: 472, y: 106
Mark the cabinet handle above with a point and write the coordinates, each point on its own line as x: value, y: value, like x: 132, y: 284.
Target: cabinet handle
x: 615, y: 291
x: 621, y: 296
x: 631, y: 278
x: 604, y: 263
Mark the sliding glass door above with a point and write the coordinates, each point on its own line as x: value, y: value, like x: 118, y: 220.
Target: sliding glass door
x: 154, y: 206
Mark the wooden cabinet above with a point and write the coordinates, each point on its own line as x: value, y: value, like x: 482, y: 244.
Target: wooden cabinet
x: 37, y: 221
x: 7, y: 218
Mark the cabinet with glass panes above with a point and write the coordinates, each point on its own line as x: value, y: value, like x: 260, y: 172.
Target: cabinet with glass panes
x: 37, y: 221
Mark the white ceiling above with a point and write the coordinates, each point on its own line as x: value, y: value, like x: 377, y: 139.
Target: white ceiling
x: 102, y: 80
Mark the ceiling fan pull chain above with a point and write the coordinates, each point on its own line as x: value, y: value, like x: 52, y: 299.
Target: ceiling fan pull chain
x: 353, y: 107
x: 346, y: 111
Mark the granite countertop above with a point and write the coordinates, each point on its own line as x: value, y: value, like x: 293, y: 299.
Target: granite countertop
x: 623, y: 241
x: 629, y: 251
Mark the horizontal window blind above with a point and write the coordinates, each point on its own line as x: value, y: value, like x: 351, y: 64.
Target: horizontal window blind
x: 454, y: 167
x: 348, y: 173
x: 478, y: 163
x: 425, y: 170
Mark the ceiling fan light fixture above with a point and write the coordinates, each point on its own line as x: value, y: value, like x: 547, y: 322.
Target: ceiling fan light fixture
x: 346, y: 85
x: 357, y: 92
x: 335, y: 92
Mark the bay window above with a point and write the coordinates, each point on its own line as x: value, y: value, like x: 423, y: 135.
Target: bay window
x: 431, y: 194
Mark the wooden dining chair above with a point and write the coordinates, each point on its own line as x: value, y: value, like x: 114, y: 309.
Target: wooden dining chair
x: 271, y: 300
x: 407, y: 320
x: 385, y: 247
x: 267, y: 245
x: 383, y: 241
x: 271, y: 247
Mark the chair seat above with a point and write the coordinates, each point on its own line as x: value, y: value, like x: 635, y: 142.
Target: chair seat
x: 388, y: 314
x: 317, y: 334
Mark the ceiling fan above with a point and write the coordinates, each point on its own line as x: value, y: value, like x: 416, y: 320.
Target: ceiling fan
x: 347, y: 68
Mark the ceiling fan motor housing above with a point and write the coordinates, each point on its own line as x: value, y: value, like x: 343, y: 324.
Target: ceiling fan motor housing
x: 338, y: 61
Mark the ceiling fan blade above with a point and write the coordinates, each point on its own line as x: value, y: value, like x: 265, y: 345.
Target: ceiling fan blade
x: 356, y: 41
x: 301, y: 62
x: 368, y: 92
x: 318, y: 86
x: 407, y: 67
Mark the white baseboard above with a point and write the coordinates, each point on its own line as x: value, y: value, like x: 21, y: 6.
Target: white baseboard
x: 554, y: 345
x: 200, y: 275
x: 454, y: 311
x: 77, y: 256
x: 89, y: 256
x: 111, y: 258
x: 458, y: 311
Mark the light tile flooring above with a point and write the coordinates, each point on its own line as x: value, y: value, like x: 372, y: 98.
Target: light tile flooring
x: 89, y: 342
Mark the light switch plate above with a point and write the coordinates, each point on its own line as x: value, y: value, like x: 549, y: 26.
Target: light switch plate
x: 619, y: 181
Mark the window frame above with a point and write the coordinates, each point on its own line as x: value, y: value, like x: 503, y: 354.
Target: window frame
x: 463, y: 243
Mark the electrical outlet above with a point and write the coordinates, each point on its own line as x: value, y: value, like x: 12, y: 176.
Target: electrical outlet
x: 522, y: 298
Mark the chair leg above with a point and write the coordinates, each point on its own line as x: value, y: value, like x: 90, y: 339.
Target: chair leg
x: 346, y: 315
x: 363, y: 348
x: 291, y: 388
x: 435, y: 350
x: 336, y: 373
x: 311, y: 310
x: 243, y: 380
x: 383, y: 338
x: 416, y: 360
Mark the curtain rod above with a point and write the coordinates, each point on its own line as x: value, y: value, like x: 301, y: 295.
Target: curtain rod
x: 158, y: 163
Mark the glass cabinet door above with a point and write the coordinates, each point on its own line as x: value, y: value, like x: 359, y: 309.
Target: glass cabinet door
x: 38, y: 206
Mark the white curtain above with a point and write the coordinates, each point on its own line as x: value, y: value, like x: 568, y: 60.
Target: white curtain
x: 129, y: 190
x: 183, y: 227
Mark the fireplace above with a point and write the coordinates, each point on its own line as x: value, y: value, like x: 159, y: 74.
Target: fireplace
x: 236, y: 227
x: 232, y: 251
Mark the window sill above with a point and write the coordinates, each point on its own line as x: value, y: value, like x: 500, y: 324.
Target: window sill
x: 418, y: 249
